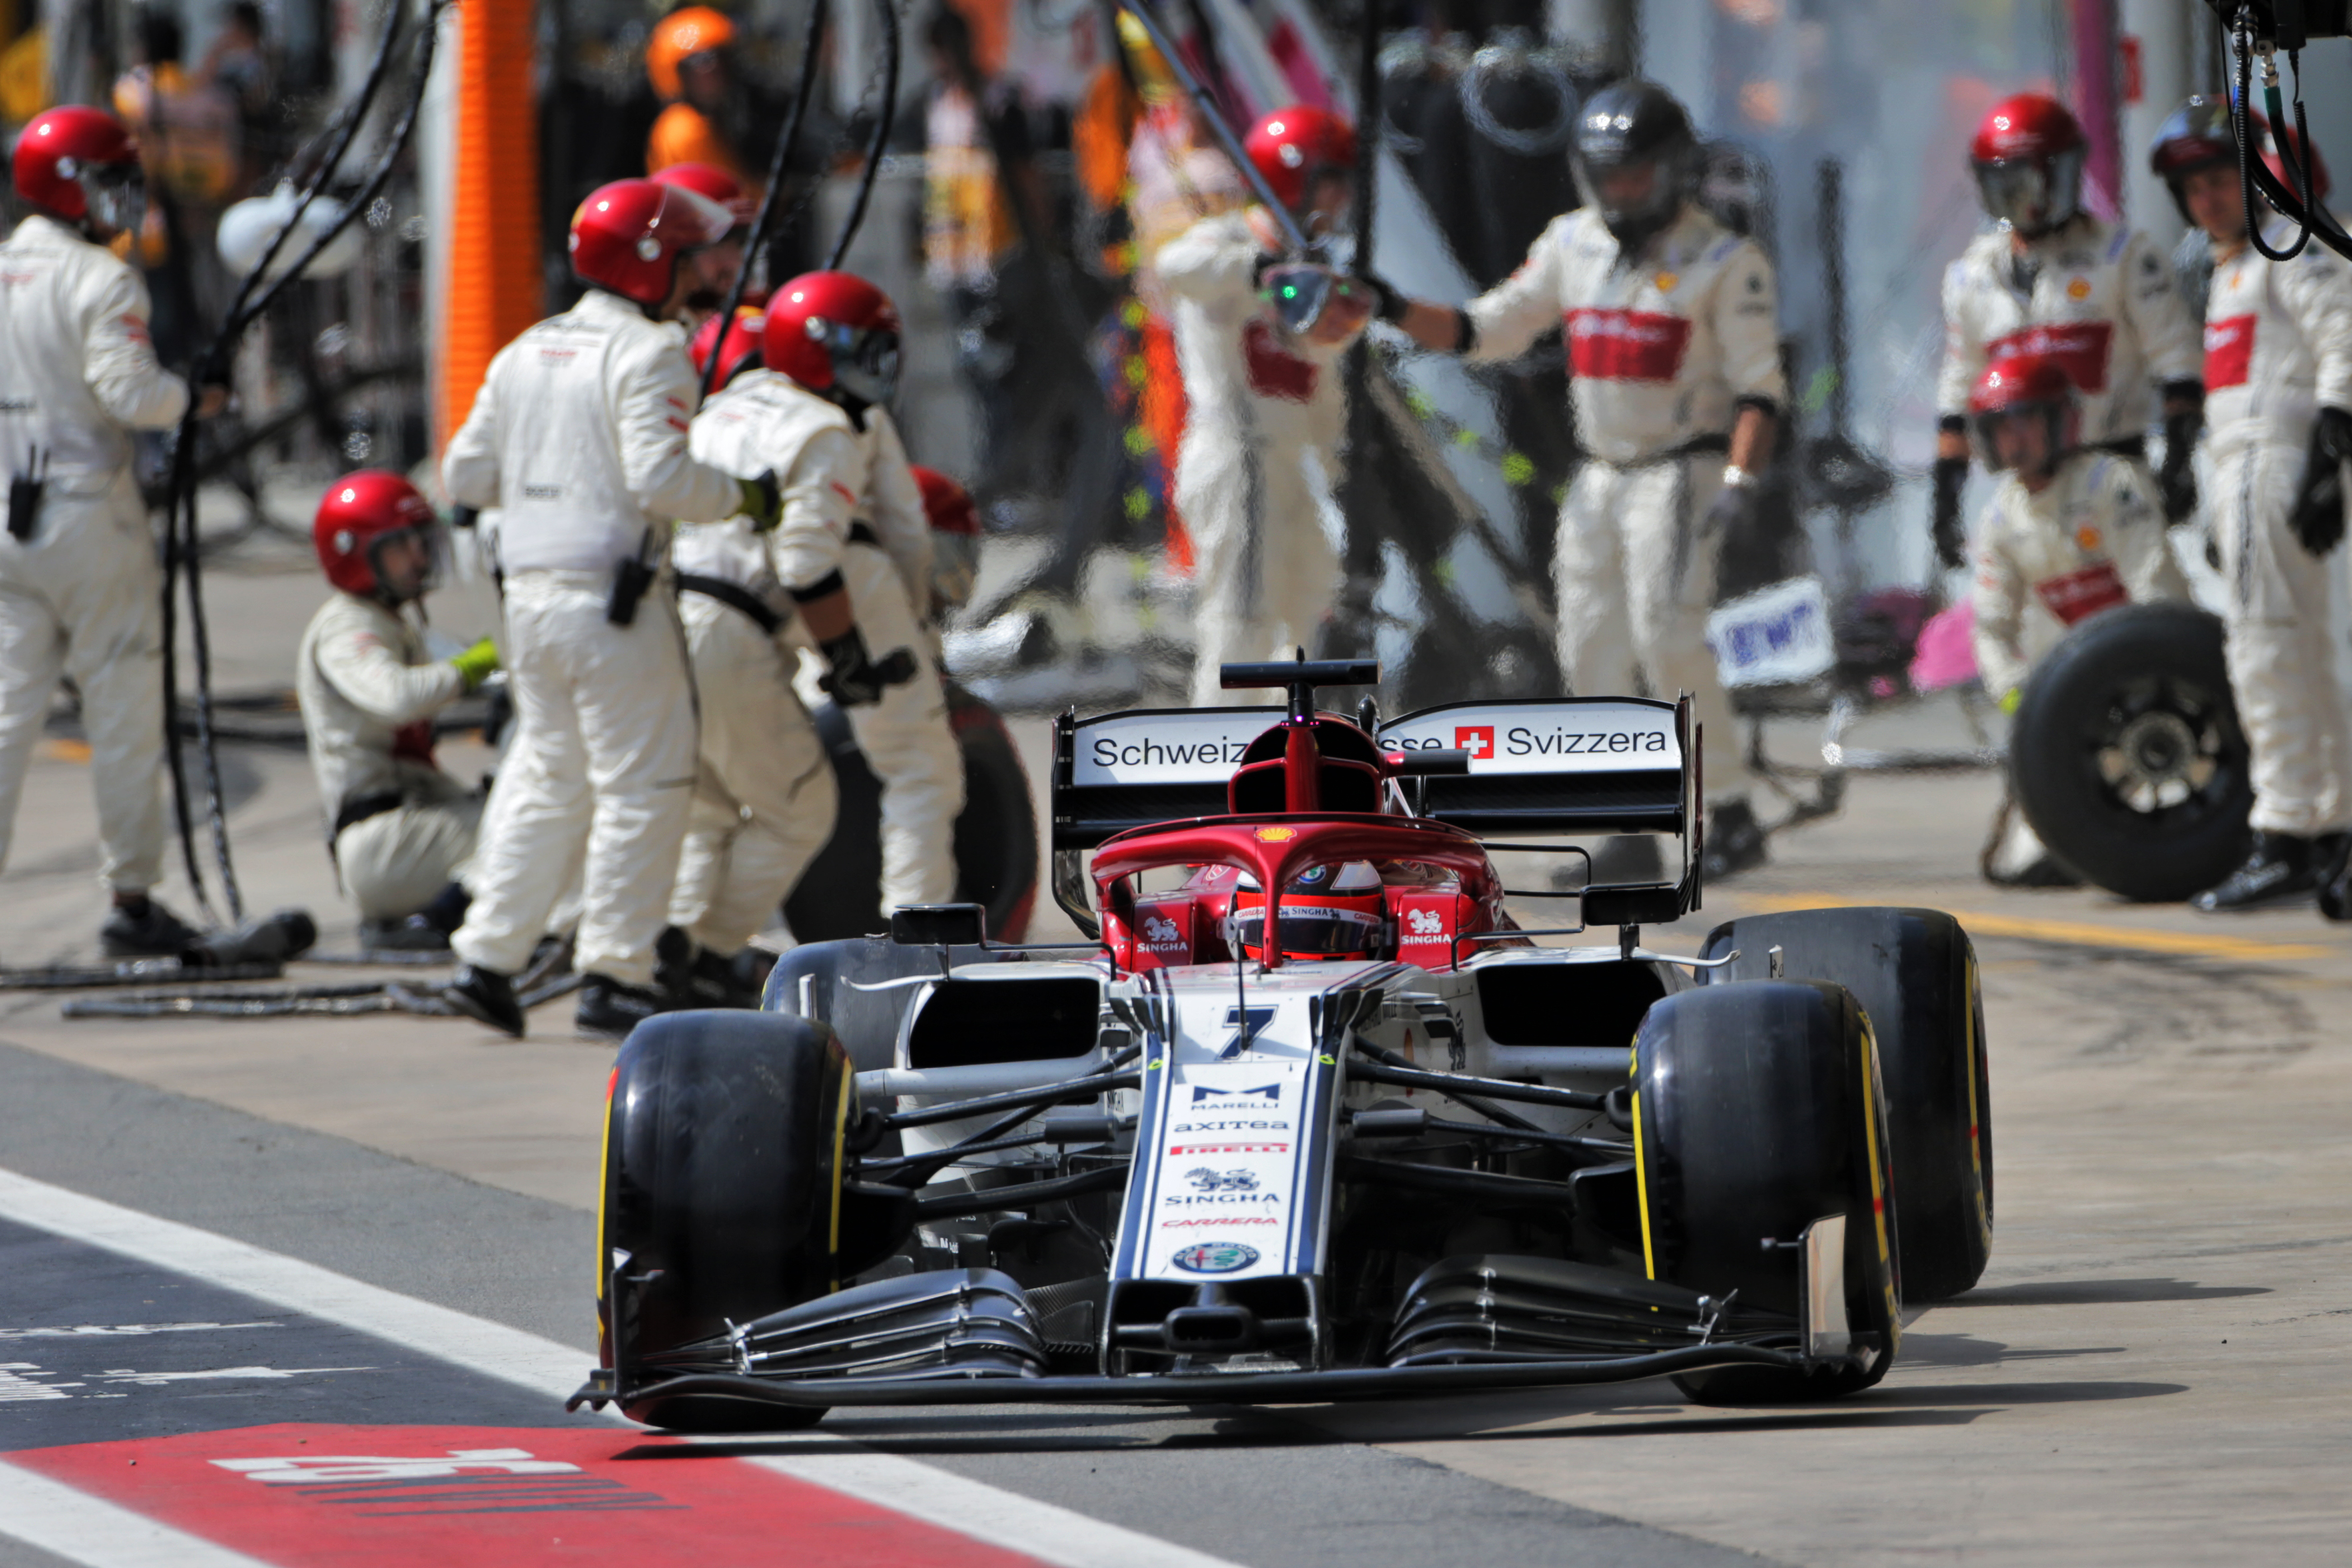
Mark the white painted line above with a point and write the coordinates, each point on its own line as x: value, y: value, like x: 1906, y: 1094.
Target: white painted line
x: 1050, y: 1533
x: 474, y: 1343
x: 1000, y: 1517
x: 80, y: 1527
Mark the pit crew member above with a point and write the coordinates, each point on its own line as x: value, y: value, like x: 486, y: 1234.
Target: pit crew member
x: 1672, y: 343
x: 399, y: 829
x: 2070, y: 531
x: 836, y: 335
x: 2278, y: 412
x: 1266, y: 408
x: 80, y: 594
x: 2051, y: 278
x: 580, y: 433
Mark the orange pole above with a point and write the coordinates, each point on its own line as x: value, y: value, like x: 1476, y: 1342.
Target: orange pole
x: 495, y: 281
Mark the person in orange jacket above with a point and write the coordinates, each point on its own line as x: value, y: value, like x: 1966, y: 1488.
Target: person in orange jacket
x: 691, y: 60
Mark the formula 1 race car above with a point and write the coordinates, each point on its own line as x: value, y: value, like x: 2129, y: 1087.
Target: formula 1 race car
x: 1310, y: 1116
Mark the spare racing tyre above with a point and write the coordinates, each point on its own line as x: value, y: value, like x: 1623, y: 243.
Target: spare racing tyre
x: 1756, y: 1111
x: 840, y: 894
x: 722, y: 1175
x: 2126, y: 755
x: 1914, y: 974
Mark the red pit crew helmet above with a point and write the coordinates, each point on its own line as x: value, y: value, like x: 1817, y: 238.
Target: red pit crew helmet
x: 2020, y: 386
x: 358, y: 514
x: 628, y: 236
x: 833, y: 332
x: 1292, y: 146
x: 80, y: 164
x: 708, y: 180
x: 1327, y: 911
x: 955, y: 537
x: 740, y: 351
x: 2028, y: 158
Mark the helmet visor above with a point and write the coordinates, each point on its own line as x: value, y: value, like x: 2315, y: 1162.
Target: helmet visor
x: 1312, y: 930
x: 2032, y: 195
x: 409, y: 563
x: 116, y: 195
x: 864, y: 360
x: 1631, y: 193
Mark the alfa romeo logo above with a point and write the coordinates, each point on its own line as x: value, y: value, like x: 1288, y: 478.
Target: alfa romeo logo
x: 1215, y: 1258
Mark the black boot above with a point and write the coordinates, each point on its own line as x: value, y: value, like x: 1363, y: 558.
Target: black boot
x: 1734, y: 841
x: 486, y: 996
x: 2282, y: 868
x: 609, y: 1010
x: 143, y: 927
x: 413, y: 933
x: 2334, y: 854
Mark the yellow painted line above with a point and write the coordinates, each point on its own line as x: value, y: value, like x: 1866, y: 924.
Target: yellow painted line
x: 2083, y: 933
x: 61, y: 748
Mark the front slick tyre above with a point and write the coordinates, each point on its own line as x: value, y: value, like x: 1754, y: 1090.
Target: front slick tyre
x: 722, y: 1173
x: 1915, y: 974
x: 1757, y: 1111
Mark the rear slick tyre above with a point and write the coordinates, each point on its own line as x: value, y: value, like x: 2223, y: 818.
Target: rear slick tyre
x: 2126, y: 755
x: 1756, y: 1112
x: 722, y: 1175
x: 1914, y: 974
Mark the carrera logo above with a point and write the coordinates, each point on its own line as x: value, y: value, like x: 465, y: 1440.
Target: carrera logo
x: 2228, y: 351
x: 1478, y: 740
x: 2078, y: 595
x: 2080, y: 346
x: 1519, y: 742
x: 1626, y: 346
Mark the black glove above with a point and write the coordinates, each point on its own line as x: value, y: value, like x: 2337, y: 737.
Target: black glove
x: 462, y: 516
x: 1952, y: 533
x: 1392, y: 304
x: 2177, y: 482
x: 855, y: 679
x: 2317, y: 515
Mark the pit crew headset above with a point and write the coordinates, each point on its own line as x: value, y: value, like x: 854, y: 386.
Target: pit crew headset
x: 837, y: 335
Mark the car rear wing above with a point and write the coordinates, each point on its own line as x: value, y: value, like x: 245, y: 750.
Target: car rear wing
x: 1138, y: 768
x: 1581, y: 765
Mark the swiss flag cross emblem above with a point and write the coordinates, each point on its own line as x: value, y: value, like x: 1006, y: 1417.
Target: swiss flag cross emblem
x: 1478, y: 740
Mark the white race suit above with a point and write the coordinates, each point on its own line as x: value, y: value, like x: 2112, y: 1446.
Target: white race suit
x: 580, y: 433
x: 400, y: 828
x: 1664, y: 347
x: 2278, y: 348
x: 764, y: 797
x: 82, y: 596
x: 1267, y: 414
x: 2100, y: 298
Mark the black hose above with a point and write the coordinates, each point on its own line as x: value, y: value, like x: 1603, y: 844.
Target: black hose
x: 883, y: 119
x: 2240, y: 114
x: 181, y: 548
x: 780, y: 160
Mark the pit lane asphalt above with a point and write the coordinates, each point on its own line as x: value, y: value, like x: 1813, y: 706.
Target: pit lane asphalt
x: 2157, y: 1369
x: 1246, y: 1487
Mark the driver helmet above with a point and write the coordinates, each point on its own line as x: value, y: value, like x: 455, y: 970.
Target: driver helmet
x: 1327, y: 913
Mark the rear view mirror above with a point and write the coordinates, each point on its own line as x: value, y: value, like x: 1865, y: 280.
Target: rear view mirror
x: 939, y: 925
x: 1416, y: 763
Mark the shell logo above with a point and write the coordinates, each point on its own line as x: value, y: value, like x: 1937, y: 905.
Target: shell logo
x: 1276, y: 835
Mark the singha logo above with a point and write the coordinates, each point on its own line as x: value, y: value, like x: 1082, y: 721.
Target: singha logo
x: 1160, y: 931
x: 1204, y: 1180
x: 1426, y: 923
